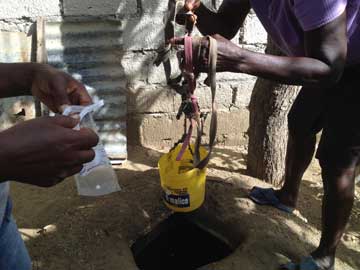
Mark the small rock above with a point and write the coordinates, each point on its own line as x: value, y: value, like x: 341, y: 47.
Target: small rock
x: 299, y: 215
x: 48, y: 229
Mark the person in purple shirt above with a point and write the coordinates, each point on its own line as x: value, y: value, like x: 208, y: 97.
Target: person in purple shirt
x: 320, y: 40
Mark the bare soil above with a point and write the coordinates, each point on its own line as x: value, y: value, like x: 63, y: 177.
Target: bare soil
x: 64, y: 231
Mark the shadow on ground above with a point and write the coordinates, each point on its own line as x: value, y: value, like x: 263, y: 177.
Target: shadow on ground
x: 65, y: 231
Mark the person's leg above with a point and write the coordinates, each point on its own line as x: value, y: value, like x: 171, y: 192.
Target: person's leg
x: 305, y: 121
x: 337, y: 204
x: 299, y: 153
x: 13, y: 253
x: 339, y: 154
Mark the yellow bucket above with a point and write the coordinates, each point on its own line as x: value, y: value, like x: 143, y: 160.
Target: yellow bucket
x: 183, y: 185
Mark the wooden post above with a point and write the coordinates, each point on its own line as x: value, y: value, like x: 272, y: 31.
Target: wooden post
x: 41, y: 57
x: 268, y: 132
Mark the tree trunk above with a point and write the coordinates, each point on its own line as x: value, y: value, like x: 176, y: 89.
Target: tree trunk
x: 268, y: 132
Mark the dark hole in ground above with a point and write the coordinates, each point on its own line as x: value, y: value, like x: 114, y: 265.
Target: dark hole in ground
x: 178, y: 243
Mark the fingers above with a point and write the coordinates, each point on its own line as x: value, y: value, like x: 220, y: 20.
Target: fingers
x: 67, y: 90
x: 201, y: 59
x: 59, y: 177
x: 191, y: 19
x: 59, y: 91
x: 84, y: 156
x: 191, y: 5
x: 65, y: 171
x: 182, y: 16
x: 78, y: 94
x: 204, y: 41
x: 69, y: 171
x: 78, y: 158
x: 180, y: 19
x: 85, y: 139
x: 176, y: 41
x: 186, y: 17
x: 73, y: 170
x: 65, y: 121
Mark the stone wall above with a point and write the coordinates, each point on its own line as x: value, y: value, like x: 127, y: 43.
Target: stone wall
x: 151, y: 105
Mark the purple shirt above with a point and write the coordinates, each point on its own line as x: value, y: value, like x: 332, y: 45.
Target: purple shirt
x: 287, y: 20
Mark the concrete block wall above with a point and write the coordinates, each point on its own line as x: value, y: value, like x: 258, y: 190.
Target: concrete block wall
x: 151, y: 104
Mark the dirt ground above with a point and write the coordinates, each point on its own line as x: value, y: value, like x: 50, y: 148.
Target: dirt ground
x: 64, y: 231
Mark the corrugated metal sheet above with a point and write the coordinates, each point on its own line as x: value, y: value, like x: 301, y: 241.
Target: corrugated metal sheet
x: 91, y: 52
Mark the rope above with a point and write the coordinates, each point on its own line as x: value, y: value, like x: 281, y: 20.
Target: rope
x: 193, y: 114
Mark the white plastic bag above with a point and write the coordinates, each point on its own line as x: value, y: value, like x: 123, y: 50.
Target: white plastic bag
x: 97, y: 177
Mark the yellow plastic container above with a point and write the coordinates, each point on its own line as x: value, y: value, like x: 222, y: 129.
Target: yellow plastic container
x: 183, y: 185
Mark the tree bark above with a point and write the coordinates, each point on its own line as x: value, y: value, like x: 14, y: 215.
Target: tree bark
x: 268, y: 132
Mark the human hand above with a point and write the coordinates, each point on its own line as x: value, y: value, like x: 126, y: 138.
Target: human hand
x: 45, y: 151
x: 228, y: 54
x: 56, y: 88
x: 192, y: 5
x: 185, y: 18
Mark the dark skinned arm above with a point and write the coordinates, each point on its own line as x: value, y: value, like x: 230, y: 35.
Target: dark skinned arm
x: 325, y: 47
x: 226, y: 21
x: 53, y: 87
x: 322, y: 66
x: 16, y: 79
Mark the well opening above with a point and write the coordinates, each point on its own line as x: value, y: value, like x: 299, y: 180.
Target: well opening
x: 179, y: 243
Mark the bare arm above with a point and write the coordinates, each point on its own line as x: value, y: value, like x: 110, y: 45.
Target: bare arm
x: 326, y: 49
x: 16, y: 79
x: 53, y: 87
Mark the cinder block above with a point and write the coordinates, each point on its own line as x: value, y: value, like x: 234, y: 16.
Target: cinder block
x: 241, y: 92
x: 139, y: 67
x: 133, y: 123
x: 232, y: 128
x: 235, y: 95
x: 209, y: 3
x: 216, y: 3
x: 161, y: 6
x: 163, y: 130
x: 29, y: 8
x: 151, y: 6
x: 97, y: 8
x: 135, y: 66
x: 144, y: 32
x: 17, y: 25
x: 254, y: 32
x: 203, y: 93
x: 160, y: 130
x: 150, y: 99
x: 157, y: 75
x: 154, y: 6
x: 229, y: 96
